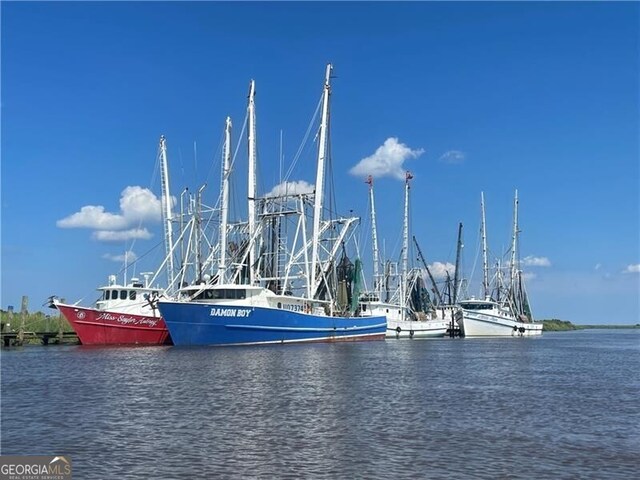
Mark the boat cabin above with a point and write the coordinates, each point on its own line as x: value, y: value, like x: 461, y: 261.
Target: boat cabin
x: 484, y: 306
x: 118, y: 296
x: 478, y: 305
x: 127, y: 293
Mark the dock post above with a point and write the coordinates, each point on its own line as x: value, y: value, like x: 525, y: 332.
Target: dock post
x: 60, y: 318
x: 23, y: 319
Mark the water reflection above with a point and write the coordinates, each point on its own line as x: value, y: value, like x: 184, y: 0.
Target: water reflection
x: 559, y: 406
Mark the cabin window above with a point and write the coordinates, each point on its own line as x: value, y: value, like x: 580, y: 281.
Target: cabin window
x: 114, y: 295
x: 364, y: 307
x: 230, y: 294
x: 223, y: 294
x: 279, y: 305
x: 123, y: 294
x: 207, y: 295
x: 203, y: 295
x: 105, y: 295
x: 132, y: 294
x: 477, y: 306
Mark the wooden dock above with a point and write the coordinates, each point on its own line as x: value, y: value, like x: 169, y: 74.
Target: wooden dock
x: 23, y: 328
x: 16, y: 339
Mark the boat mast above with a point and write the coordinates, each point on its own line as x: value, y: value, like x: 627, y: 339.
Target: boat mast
x: 199, y: 272
x: 499, y: 281
x: 377, y: 285
x: 448, y: 289
x: 251, y: 193
x: 514, y: 241
x: 183, y: 259
x: 457, y: 271
x: 485, y: 264
x: 405, y: 246
x: 426, y: 267
x: 166, y: 210
x: 224, y: 209
x: 319, y: 187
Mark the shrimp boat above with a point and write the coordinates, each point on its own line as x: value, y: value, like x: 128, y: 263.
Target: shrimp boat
x: 282, y: 285
x: 408, y: 309
x: 506, y: 313
x: 126, y: 314
x: 487, y: 318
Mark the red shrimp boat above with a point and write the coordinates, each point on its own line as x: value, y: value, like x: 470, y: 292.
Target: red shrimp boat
x: 124, y: 315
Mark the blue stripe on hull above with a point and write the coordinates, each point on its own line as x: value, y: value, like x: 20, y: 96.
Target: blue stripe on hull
x: 203, y: 324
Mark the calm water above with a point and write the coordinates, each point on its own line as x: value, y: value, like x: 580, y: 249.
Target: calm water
x: 566, y: 405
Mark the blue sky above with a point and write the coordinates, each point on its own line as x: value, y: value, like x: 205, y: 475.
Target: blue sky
x: 471, y: 97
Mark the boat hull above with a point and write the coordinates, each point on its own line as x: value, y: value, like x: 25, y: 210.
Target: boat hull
x: 474, y: 324
x: 416, y: 328
x: 192, y: 324
x: 102, y: 327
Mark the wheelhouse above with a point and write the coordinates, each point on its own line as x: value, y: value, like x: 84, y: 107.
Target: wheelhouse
x: 478, y: 305
x: 214, y: 293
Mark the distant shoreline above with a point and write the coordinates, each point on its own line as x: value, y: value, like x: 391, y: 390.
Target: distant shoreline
x: 585, y: 327
x: 556, y: 325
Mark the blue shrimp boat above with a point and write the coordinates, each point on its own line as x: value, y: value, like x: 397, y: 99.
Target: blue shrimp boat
x: 278, y: 285
x: 242, y: 315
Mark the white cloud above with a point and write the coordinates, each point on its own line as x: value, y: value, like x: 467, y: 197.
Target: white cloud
x: 291, y: 188
x: 92, y: 216
x: 122, y: 235
x: 137, y: 204
x: 439, y: 270
x: 452, y: 156
x: 529, y: 276
x: 140, y: 204
x: 531, y: 261
x: 632, y: 268
x: 387, y: 161
x: 129, y: 256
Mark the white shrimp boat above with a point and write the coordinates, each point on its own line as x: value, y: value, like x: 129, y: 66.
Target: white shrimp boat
x: 486, y: 318
x: 509, y: 314
x: 402, y: 320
